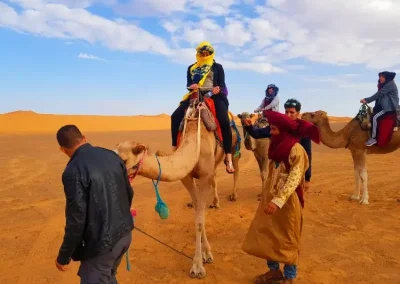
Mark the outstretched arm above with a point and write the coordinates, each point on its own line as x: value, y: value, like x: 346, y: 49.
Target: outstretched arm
x: 258, y: 133
x: 260, y: 107
x: 379, y: 93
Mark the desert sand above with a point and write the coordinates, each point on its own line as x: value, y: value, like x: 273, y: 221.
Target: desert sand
x: 343, y: 242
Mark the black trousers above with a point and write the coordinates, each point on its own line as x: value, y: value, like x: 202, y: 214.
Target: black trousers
x: 221, y: 109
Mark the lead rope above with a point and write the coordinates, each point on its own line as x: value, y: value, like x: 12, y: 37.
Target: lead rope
x: 162, y: 210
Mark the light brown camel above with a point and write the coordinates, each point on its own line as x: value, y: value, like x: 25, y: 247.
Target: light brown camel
x: 353, y: 136
x: 196, y: 157
x: 258, y: 146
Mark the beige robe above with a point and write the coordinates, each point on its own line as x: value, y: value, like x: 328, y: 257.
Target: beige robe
x: 277, y: 237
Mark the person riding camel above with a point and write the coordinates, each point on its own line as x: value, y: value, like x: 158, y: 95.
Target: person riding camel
x: 386, y: 101
x: 207, y: 73
x: 271, y: 100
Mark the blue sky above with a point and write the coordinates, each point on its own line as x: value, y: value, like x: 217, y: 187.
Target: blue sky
x: 130, y: 57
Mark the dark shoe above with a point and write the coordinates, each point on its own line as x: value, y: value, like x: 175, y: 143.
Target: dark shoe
x: 272, y: 276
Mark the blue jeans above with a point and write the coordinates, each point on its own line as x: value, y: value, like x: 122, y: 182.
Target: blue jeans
x: 290, y: 271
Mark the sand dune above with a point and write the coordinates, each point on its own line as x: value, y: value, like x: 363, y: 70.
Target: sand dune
x: 29, y: 122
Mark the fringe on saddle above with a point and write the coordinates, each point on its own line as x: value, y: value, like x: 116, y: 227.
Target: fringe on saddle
x: 365, y: 113
x: 209, y: 121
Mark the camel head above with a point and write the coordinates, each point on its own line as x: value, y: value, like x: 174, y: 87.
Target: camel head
x: 317, y: 118
x: 132, y: 154
x: 249, y: 142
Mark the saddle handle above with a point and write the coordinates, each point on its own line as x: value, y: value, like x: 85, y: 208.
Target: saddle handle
x: 200, y: 96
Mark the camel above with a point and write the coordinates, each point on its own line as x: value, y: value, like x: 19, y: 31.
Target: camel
x: 197, y: 157
x: 353, y: 136
x: 258, y: 146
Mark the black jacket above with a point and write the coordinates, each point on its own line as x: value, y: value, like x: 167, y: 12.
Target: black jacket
x: 98, y: 201
x: 218, y: 78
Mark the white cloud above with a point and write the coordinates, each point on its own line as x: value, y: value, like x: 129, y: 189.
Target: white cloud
x: 56, y: 20
x: 337, y: 32
x: 216, y: 7
x: 89, y: 56
x: 343, y: 81
x: 150, y: 7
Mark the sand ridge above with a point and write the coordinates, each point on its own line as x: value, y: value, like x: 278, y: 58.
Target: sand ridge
x: 29, y: 122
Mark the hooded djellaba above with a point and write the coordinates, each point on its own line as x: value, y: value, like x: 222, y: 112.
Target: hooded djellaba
x: 276, y: 236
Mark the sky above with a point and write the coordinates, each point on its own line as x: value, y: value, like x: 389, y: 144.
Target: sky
x: 130, y: 57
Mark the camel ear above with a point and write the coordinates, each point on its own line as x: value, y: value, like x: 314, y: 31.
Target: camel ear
x: 239, y: 115
x: 139, y: 148
x: 252, y: 115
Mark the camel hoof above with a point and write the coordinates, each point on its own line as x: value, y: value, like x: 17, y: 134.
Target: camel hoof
x: 364, y: 202
x: 232, y: 197
x: 197, y: 271
x: 190, y: 205
x: 217, y: 206
x: 354, y: 197
x: 208, y: 257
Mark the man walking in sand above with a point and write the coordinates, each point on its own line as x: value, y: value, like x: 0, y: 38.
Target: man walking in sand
x: 98, y: 195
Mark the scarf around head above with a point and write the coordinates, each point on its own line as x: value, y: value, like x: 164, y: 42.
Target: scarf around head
x: 202, y: 67
x: 269, y: 97
x: 291, y: 131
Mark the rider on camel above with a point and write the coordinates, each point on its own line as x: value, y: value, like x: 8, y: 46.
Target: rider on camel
x: 271, y: 100
x: 206, y: 73
x: 386, y: 101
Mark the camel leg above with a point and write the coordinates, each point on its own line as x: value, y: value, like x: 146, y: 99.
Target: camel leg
x: 198, y: 270
x: 214, y: 185
x: 190, y: 185
x: 263, y: 167
x: 356, y: 194
x: 360, y: 174
x: 364, y: 180
x: 207, y: 255
x: 235, y: 162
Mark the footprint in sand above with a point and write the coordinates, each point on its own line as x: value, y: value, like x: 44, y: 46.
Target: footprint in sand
x: 22, y: 171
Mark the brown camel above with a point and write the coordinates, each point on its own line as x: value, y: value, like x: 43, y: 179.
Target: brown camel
x: 196, y: 157
x: 258, y: 146
x: 353, y: 136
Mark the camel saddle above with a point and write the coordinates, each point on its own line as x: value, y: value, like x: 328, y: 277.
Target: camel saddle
x: 208, y: 116
x: 387, y: 124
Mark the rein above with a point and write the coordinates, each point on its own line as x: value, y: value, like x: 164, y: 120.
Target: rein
x: 362, y: 114
x: 138, y: 166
